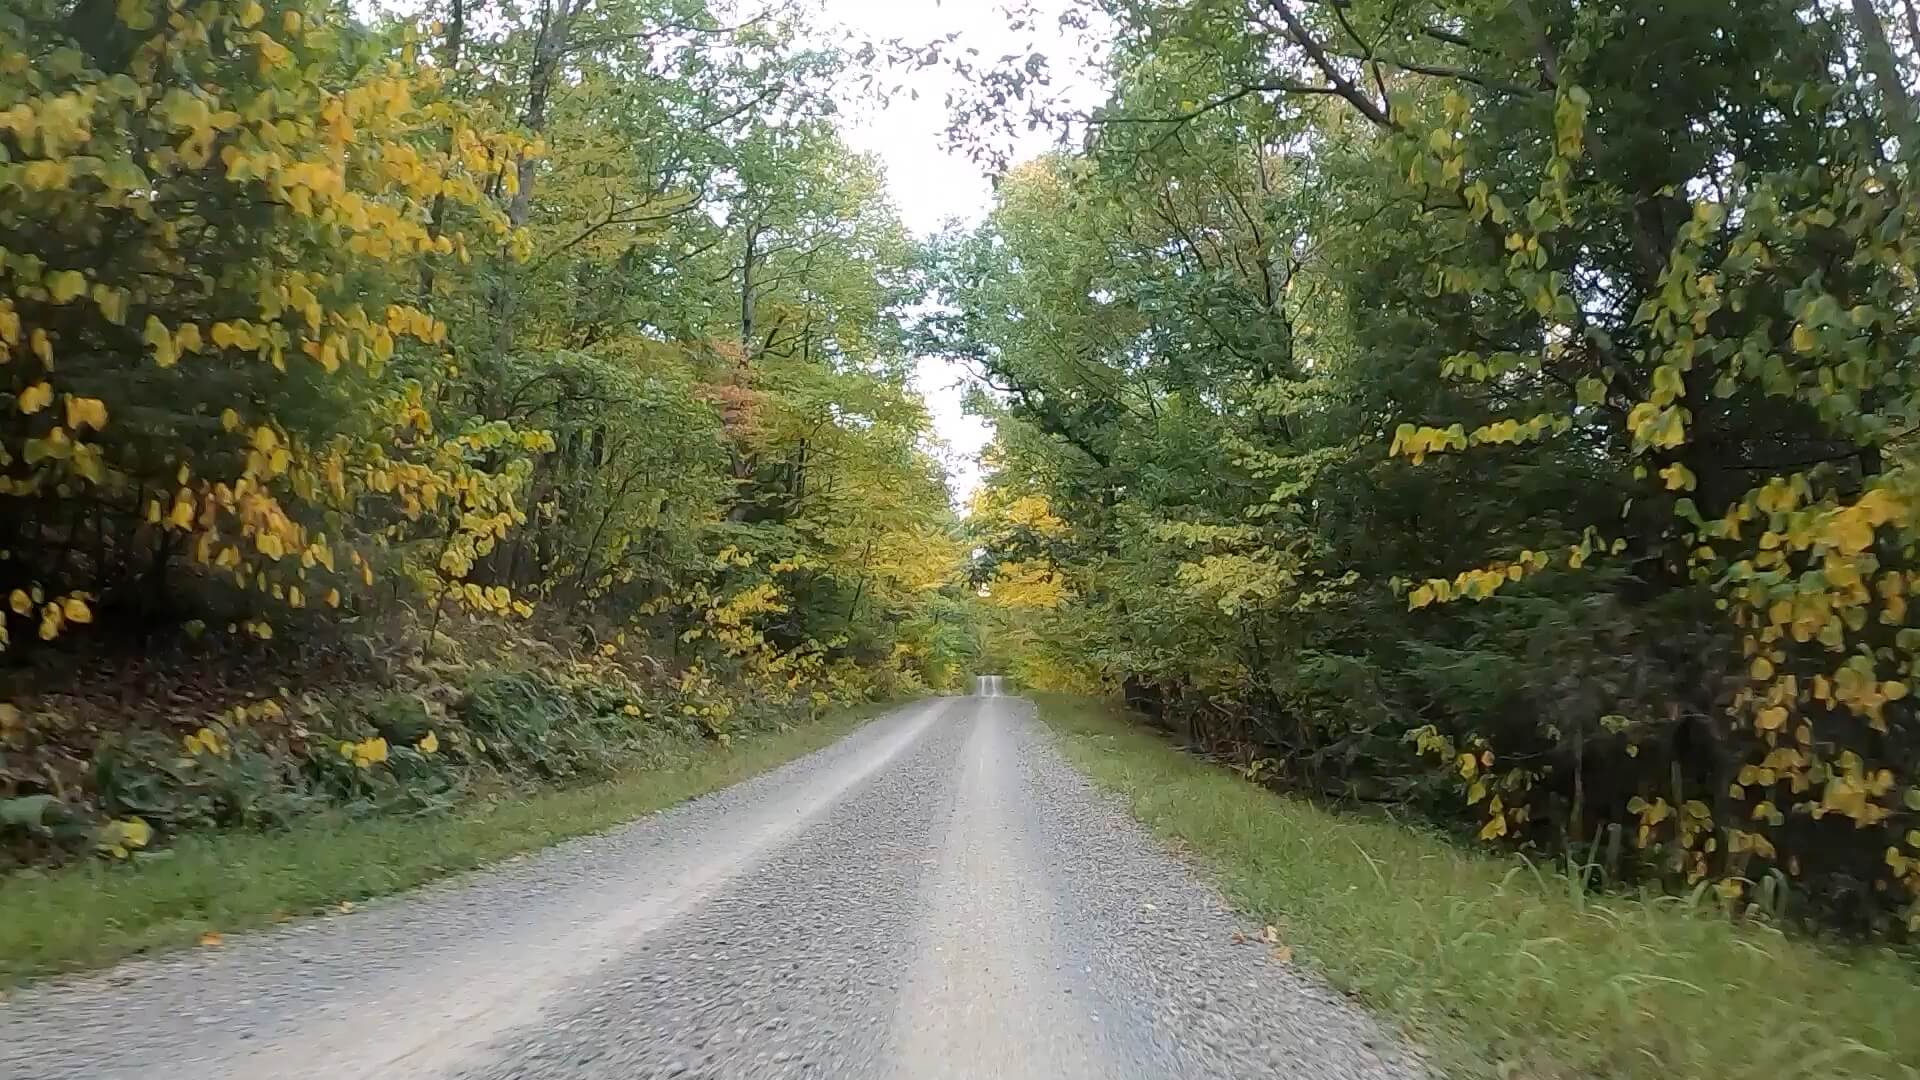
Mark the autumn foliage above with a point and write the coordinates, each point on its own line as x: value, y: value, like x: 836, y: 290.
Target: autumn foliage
x: 1504, y: 410
x: 392, y: 338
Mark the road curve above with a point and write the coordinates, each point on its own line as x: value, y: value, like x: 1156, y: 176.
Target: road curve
x: 938, y: 896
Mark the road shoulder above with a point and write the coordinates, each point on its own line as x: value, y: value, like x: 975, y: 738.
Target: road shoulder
x: 1494, y: 968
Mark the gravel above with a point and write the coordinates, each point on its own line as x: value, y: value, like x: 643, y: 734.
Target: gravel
x: 939, y: 895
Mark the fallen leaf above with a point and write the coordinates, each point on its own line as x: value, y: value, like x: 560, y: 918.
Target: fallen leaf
x: 1270, y: 935
x: 345, y: 906
x: 1239, y: 938
x: 211, y: 938
x: 1284, y: 954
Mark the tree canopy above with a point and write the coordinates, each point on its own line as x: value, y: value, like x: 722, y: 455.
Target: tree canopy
x: 577, y: 313
x: 1506, y: 407
x: 1501, y: 408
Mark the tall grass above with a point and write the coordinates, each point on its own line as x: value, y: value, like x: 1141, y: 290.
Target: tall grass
x: 1497, y: 968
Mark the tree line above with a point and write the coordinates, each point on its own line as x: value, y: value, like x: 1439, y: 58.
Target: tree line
x: 575, y: 319
x: 1505, y: 408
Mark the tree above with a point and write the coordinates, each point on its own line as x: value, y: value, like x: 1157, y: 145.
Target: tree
x: 212, y: 218
x: 1636, y: 319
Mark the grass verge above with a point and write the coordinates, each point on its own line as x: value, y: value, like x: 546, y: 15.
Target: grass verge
x: 91, y: 914
x: 1496, y: 969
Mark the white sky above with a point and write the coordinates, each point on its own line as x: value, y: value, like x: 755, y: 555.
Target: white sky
x: 929, y: 184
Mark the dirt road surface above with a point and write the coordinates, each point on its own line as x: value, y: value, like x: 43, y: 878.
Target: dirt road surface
x: 936, y: 896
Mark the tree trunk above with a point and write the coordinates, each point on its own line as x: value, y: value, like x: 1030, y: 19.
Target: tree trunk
x: 556, y: 23
x: 1894, y: 99
x: 740, y: 462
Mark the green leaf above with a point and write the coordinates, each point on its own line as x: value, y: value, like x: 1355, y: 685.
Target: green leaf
x: 30, y: 811
x: 124, y: 176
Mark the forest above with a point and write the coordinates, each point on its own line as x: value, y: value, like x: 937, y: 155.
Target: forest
x: 392, y: 403
x: 1503, y: 409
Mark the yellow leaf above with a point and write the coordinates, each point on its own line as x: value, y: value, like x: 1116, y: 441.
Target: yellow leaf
x: 229, y: 420
x: 112, y: 302
x: 66, y: 285
x: 1802, y: 339
x: 250, y: 13
x: 211, y: 939
x: 21, y: 603
x: 429, y: 744
x: 160, y: 339
x: 42, y: 347
x: 86, y: 413
x: 44, y: 175
x: 76, y: 610
x: 35, y: 397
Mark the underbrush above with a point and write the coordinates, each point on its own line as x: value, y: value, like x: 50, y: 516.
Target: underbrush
x: 127, y: 757
x: 1497, y: 967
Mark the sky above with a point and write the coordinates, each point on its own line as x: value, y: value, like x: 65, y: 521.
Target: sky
x: 929, y: 184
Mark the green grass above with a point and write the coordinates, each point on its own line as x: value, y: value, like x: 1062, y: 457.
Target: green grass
x: 93, y: 913
x: 1496, y: 969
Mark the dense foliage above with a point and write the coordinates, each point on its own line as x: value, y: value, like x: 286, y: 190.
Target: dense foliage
x: 570, y: 324
x: 1502, y: 406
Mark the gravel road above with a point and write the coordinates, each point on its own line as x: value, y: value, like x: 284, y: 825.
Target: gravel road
x: 938, y: 895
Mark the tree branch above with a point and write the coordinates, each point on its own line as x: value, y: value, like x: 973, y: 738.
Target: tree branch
x: 1442, y: 71
x: 1341, y: 85
x: 1218, y: 103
